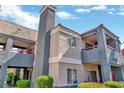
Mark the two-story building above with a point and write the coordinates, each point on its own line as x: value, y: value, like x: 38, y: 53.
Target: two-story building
x: 64, y: 54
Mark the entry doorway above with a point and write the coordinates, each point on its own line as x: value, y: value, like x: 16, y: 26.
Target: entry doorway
x: 92, y: 77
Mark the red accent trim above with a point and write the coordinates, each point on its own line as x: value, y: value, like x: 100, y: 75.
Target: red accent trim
x: 122, y: 51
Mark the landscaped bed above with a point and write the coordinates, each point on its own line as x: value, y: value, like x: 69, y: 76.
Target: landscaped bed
x: 108, y: 84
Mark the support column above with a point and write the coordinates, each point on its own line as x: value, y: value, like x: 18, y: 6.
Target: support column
x: 122, y: 69
x: 9, y: 45
x: 5, y: 64
x: 3, y: 70
x: 105, y: 66
x: 25, y: 73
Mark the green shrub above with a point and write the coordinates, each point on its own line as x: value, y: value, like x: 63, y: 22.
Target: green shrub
x: 45, y: 81
x: 23, y: 84
x: 121, y: 84
x: 112, y: 84
x: 91, y: 85
x: 9, y: 78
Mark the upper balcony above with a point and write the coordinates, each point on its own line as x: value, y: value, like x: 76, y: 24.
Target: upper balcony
x: 20, y: 55
x: 92, y: 55
x: 91, y: 52
x: 114, y: 56
x: 17, y: 58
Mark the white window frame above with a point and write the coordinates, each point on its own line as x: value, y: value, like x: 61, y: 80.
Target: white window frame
x: 72, y: 76
x: 69, y: 40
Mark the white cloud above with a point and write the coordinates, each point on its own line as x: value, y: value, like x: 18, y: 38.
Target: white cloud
x: 82, y: 10
x: 122, y: 8
x: 100, y: 7
x: 120, y: 13
x: 19, y: 16
x: 89, y: 9
x: 65, y: 15
x: 111, y: 9
x: 110, y: 13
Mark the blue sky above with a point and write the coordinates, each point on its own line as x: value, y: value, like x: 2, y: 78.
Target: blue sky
x: 76, y: 17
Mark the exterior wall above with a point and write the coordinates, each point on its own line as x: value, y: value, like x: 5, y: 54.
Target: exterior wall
x: 91, y: 67
x: 54, y: 44
x: 63, y: 73
x: 54, y: 72
x: 26, y: 33
x: 64, y: 49
x: 58, y: 71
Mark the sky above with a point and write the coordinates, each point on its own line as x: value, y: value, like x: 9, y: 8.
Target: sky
x: 79, y: 18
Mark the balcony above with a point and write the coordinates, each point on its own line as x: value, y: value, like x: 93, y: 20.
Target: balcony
x: 21, y: 60
x: 17, y: 58
x: 114, y: 56
x: 90, y: 55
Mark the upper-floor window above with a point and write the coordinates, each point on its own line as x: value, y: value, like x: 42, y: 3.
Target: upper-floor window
x: 71, y: 41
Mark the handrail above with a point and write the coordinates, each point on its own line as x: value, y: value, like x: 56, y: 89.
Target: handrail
x: 18, y: 51
x: 96, y: 46
x: 1, y: 49
x: 111, y: 47
x: 21, y: 51
x: 92, y: 47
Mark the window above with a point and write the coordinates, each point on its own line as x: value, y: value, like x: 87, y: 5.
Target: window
x: 92, y: 77
x: 71, y: 76
x: 71, y: 41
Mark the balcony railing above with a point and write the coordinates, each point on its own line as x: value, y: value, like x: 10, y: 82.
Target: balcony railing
x: 1, y: 49
x: 89, y: 48
x: 111, y: 47
x: 19, y: 51
x: 22, y: 51
x: 96, y: 46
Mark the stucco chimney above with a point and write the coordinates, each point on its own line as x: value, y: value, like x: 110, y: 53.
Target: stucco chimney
x: 46, y: 23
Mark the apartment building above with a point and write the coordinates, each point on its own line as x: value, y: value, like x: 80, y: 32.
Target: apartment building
x: 64, y: 54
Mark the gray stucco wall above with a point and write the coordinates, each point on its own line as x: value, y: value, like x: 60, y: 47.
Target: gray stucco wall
x: 112, y: 55
x: 21, y: 60
x: 17, y: 59
x: 89, y: 56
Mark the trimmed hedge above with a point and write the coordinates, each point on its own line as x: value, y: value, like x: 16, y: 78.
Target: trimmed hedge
x: 121, y: 84
x: 44, y: 81
x: 91, y: 85
x: 23, y: 84
x: 113, y: 84
x: 108, y: 84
